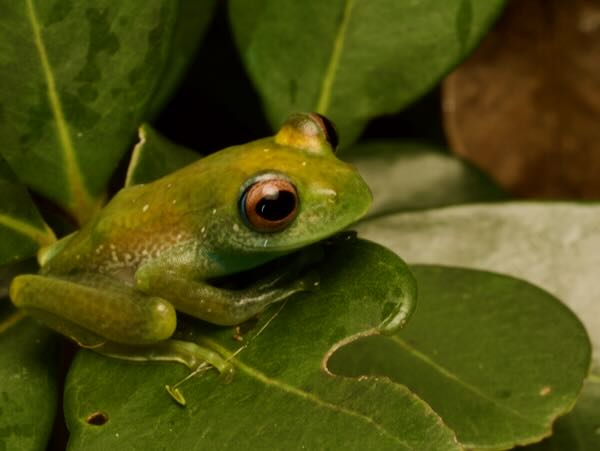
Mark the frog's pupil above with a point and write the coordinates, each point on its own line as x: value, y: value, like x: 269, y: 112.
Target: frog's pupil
x: 276, y: 206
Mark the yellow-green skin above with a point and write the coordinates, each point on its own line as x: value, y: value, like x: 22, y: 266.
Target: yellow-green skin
x: 115, y: 284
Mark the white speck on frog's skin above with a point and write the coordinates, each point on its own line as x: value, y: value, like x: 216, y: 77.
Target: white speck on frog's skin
x: 214, y: 211
x: 169, y: 185
x: 203, y: 229
x: 174, y: 201
x: 265, y: 243
x: 304, y: 163
x: 236, y: 227
x: 266, y: 150
x: 145, y: 208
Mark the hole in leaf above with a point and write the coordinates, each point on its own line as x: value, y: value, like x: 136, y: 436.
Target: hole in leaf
x: 97, y: 418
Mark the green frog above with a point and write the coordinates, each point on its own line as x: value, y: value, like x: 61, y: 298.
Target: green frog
x: 116, y: 285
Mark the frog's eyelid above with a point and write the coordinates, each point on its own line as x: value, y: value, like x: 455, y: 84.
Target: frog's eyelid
x: 329, y: 130
x: 261, y: 176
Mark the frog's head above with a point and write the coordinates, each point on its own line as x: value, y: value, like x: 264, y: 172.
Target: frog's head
x: 291, y: 190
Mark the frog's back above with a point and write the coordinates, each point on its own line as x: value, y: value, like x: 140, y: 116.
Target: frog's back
x: 139, y: 223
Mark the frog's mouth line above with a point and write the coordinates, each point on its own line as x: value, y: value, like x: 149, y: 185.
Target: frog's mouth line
x: 246, y: 278
x: 299, y: 262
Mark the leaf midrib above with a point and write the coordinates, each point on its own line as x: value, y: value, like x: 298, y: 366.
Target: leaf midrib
x: 41, y: 236
x: 261, y: 377
x: 80, y: 200
x: 338, y: 46
x: 11, y: 320
x: 454, y: 378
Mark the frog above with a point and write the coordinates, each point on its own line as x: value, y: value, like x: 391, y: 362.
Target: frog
x: 117, y: 285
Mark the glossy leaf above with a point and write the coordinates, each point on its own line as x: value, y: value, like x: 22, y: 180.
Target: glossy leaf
x: 7, y: 272
x: 416, y: 176
x: 352, y: 60
x: 580, y: 430
x: 553, y: 245
x: 29, y: 387
x: 22, y: 229
x: 155, y: 156
x: 68, y: 112
x: 497, y: 358
x: 280, y: 396
x: 193, y: 19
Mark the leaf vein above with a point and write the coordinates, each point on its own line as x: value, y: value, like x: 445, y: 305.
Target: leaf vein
x: 79, y: 195
x: 43, y: 237
x: 338, y: 46
x: 11, y: 320
x: 453, y: 377
x: 256, y: 374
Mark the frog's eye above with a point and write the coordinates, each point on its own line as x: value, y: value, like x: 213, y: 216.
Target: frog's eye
x: 329, y: 130
x: 270, y: 205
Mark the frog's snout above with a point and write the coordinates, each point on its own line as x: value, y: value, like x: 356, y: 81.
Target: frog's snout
x: 360, y: 194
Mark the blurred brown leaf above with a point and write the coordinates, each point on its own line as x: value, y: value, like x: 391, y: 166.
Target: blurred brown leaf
x: 526, y: 106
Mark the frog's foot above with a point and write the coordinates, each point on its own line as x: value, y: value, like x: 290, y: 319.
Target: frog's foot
x: 93, y: 309
x: 192, y: 355
x: 101, y: 314
x: 219, y: 305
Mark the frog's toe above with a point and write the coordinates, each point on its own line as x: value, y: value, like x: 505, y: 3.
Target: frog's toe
x: 226, y: 373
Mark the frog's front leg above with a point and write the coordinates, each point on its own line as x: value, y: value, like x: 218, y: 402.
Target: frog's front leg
x: 111, y: 318
x: 218, y: 305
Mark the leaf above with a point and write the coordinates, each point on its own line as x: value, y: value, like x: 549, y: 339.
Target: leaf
x: 497, y: 358
x: 8, y: 272
x: 415, y: 176
x: 280, y: 397
x: 29, y: 389
x: 580, y: 429
x: 553, y: 245
x: 533, y: 128
x: 193, y: 19
x: 352, y: 60
x: 154, y: 156
x: 75, y: 81
x: 22, y: 229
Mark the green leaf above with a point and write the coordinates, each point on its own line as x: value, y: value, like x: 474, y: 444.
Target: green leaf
x: 580, y: 430
x: 193, y: 19
x: 280, y: 396
x: 155, y: 156
x: 416, y: 176
x: 22, y: 229
x: 8, y: 272
x: 353, y: 60
x: 553, y: 245
x: 497, y: 358
x: 29, y: 388
x: 75, y: 81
